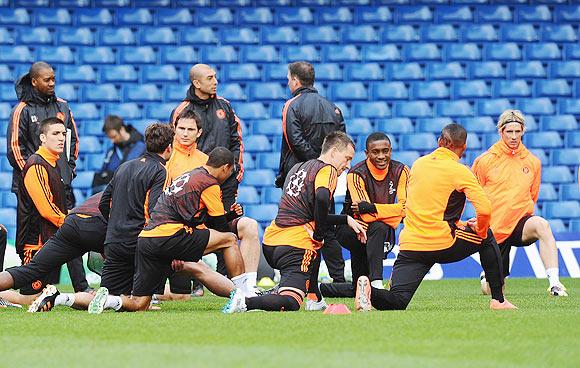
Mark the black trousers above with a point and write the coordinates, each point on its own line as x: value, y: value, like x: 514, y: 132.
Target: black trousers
x: 411, y: 267
x: 3, y: 242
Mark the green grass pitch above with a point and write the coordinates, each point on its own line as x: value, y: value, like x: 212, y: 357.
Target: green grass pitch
x: 448, y: 324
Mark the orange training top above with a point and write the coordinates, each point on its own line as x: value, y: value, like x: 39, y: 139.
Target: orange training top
x: 511, y: 180
x: 183, y: 159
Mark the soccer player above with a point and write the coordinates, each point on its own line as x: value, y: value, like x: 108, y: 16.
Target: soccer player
x: 175, y: 237
x: 186, y: 157
x: 375, y: 197
x: 292, y: 240
x: 437, y: 189
x: 511, y: 176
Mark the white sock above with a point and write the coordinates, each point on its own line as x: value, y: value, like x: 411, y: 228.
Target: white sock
x: 553, y: 276
x: 251, y: 280
x: 240, y: 281
x: 377, y: 284
x: 113, y: 302
x: 65, y: 299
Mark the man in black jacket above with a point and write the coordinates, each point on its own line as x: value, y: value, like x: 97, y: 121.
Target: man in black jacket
x: 37, y: 102
x: 307, y: 118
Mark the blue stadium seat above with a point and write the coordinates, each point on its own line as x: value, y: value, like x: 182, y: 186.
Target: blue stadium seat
x: 277, y: 72
x: 565, y: 69
x: 371, y: 14
x: 395, y: 125
x: 280, y: 35
x: 83, y: 180
x: 56, y: 55
x: 303, y: 52
x: 199, y: 35
x: 93, y: 17
x: 127, y: 110
x: 389, y: 91
x: 493, y: 14
x: 269, y: 160
x: 267, y: 91
x: 259, y: 178
x: 271, y: 195
x: 493, y: 107
x: 141, y: 124
x: 252, y: 111
x: 249, y: 162
x: 541, y: 154
x: 248, y: 195
x: 533, y: 14
x: 160, y: 112
x: 137, y: 16
x: 175, y: 92
x: 413, y: 14
x: 179, y: 55
x: 470, y: 89
x: 276, y: 108
x: 536, y: 106
x: 429, y: 90
x: 413, y: 109
x: 422, y: 52
x: 340, y: 14
x: 569, y: 106
x: 473, y: 141
x: 400, y: 33
x: 406, y: 157
x: 243, y: 72
x: 220, y: 54
x: 15, y: 54
x: 543, y: 51
x: 8, y: 216
x: 338, y: 53
x: 405, y: 71
x: 508, y: 51
x: 101, y: 93
x: 138, y: 55
x: 90, y: 127
x: 117, y: 36
x: 174, y: 17
x: 75, y: 36
x: 14, y: 16
x: 97, y: 55
x: 9, y: 200
x: 6, y: 37
x: 321, y: 34
x: 453, y: 14
x: 344, y: 109
x: 457, y: 108
x: 568, y: 14
x: 418, y: 142
x: 486, y: 70
x: 552, y: 88
x: 5, y: 181
x: 348, y: 91
x: 365, y: 72
x: 261, y: 15
x: 86, y: 111
x: 359, y: 126
x: 569, y: 192
x: 5, y: 110
x: 371, y: 110
x: 559, y: 33
x: 263, y: 213
x: 159, y: 73
x: 91, y: 144
x: 569, y: 157
x: 361, y: 34
x: 439, y: 33
x: 562, y: 209
x: 479, y: 33
x: 34, y: 36
x: 239, y: 36
x: 233, y: 92
x: 215, y: 16
x: 7, y: 93
x: 432, y: 125
x: 67, y: 92
x: 558, y: 226
x: 269, y: 127
x: 519, y: 33
x: 511, y: 88
x: 453, y: 70
x: 358, y: 156
x: 142, y: 92
x: 294, y: 15
x: 327, y: 72
x: 572, y: 51
x: 94, y: 162
x: 378, y: 53
x: 158, y: 36
x: 463, y: 52
x: 543, y: 140
x: 261, y: 54
x: 526, y: 69
x: 479, y: 124
x: 531, y: 124
x: 119, y: 73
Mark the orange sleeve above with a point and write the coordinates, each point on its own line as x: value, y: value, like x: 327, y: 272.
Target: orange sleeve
x: 535, y: 189
x: 467, y: 183
x: 211, y: 197
x: 38, y: 187
x: 326, y: 178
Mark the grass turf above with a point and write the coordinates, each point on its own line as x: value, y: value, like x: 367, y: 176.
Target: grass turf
x: 448, y: 324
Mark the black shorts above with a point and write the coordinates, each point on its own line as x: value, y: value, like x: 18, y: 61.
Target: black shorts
x: 119, y: 268
x: 514, y: 240
x: 154, y: 256
x: 295, y: 265
x: 77, y: 236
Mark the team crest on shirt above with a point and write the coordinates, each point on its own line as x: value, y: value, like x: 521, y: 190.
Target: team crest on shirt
x: 526, y: 170
x: 34, y: 119
x: 36, y: 285
x: 296, y: 183
x: 221, y: 114
x: 60, y: 115
x: 391, y: 187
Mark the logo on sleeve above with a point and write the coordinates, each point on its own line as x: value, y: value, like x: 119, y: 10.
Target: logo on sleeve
x: 60, y: 115
x: 526, y: 170
x: 34, y: 119
x: 220, y: 113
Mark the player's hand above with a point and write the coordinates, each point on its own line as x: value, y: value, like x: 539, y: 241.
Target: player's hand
x: 177, y: 265
x: 472, y: 223
x: 237, y: 208
x: 361, y: 234
x: 354, y: 208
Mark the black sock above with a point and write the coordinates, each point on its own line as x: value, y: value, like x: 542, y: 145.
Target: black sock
x: 273, y: 302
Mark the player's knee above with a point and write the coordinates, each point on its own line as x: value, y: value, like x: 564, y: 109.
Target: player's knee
x: 377, y: 227
x: 248, y: 227
x: 543, y: 227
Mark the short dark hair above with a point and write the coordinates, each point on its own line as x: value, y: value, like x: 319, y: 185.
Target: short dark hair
x: 113, y: 122
x: 454, y: 132
x: 337, y: 139
x: 377, y: 136
x: 219, y: 157
x: 303, y: 71
x: 158, y: 137
x: 190, y: 114
x: 46, y: 123
x: 37, y: 67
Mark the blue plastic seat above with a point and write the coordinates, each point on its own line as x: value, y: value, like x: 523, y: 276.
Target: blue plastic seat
x: 86, y: 111
x: 215, y: 16
x: 269, y: 160
x: 243, y: 72
x: 470, y: 89
x: 432, y: 125
x: 527, y: 69
x: 75, y: 36
x: 328, y: 72
x: 552, y: 88
x: 389, y: 91
x: 93, y: 16
x: 543, y: 51
x: 117, y: 36
x: 569, y: 157
x: 280, y: 35
x: 439, y: 33
x: 303, y: 52
x: 509, y: 51
x: 263, y: 213
x: 567, y: 13
x: 361, y: 34
x: 321, y: 34
x: 413, y: 109
x: 371, y: 110
x: 533, y: 13
x: 18, y: 16
x: 453, y: 70
x: 344, y: 109
x: 493, y: 107
x: 91, y: 144
x: 175, y: 92
x: 429, y: 90
x: 267, y: 91
x: 220, y: 54
x: 365, y: 72
x: 94, y: 161
x: 97, y: 55
x: 406, y: 157
x: 199, y: 35
x: 271, y: 195
x: 5, y: 110
x: 90, y: 127
x: 15, y: 54
x: 541, y: 154
x: 174, y: 17
x: 138, y: 55
x: 565, y: 69
x: 372, y: 14
x: 252, y: 111
x: 179, y: 55
x: 405, y: 71
x: 269, y: 127
x: 34, y: 36
x: 160, y: 112
x: 277, y: 72
x: 239, y: 36
x: 158, y: 36
x: 259, y: 178
x: 562, y: 209
x: 422, y: 52
x: 159, y: 73
x: 453, y: 14
x: 56, y: 55
x: 519, y: 33
x: 536, y: 106
x: 359, y: 126
x: 543, y: 140
x: 338, y: 53
x: 7, y: 93
x: 259, y: 15
x: 261, y: 54
x: 486, y: 70
x: 127, y: 110
x: 570, y: 192
x: 294, y: 15
x: 8, y: 215
x: 101, y: 93
x: 573, y: 139
x: 457, y: 108
x: 119, y: 73
x: 511, y: 88
x: 559, y: 33
x: 395, y: 125
x: 493, y: 14
x: 138, y: 16
x: 479, y: 33
x: 400, y: 33
x: 233, y: 92
x: 413, y: 14
x: 378, y: 53
x: 463, y: 52
x: 248, y: 195
x: 348, y: 91
x: 67, y: 92
x: 6, y: 36
x: 142, y: 92
x: 84, y: 179
x: 569, y: 106
x: 418, y: 142
x: 473, y: 141
x: 479, y: 124
x: 557, y: 226
x: 335, y: 14
x: 8, y: 200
